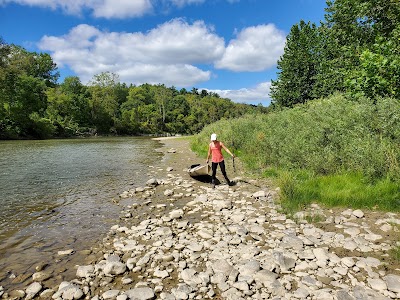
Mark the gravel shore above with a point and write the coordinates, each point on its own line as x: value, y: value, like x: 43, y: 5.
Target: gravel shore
x: 178, y: 238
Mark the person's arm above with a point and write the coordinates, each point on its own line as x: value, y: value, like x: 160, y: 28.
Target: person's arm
x: 227, y: 150
x: 209, y: 153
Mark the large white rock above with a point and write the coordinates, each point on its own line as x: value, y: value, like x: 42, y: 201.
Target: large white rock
x: 377, y: 284
x: 358, y: 213
x: 110, y: 295
x: 140, y: 293
x: 176, y: 214
x: 85, y: 271
x: 68, y: 291
x: 393, y: 283
x: 114, y: 268
x: 32, y: 290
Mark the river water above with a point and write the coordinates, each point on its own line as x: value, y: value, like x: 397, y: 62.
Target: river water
x: 57, y: 195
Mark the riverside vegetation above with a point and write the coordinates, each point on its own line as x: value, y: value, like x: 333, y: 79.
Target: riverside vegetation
x: 333, y: 151
x: 34, y: 105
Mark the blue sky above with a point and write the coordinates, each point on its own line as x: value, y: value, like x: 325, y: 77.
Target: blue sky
x: 226, y: 46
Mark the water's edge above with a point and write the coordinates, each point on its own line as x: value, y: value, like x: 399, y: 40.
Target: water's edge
x: 35, y: 244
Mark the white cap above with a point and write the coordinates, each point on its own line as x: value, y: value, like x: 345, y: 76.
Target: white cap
x: 213, y: 137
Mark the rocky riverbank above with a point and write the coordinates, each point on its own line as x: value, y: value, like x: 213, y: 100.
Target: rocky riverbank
x: 178, y: 238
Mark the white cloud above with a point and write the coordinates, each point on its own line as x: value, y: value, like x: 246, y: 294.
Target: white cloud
x: 254, y: 95
x: 100, y: 8
x: 255, y: 49
x: 165, y: 54
x: 181, y: 3
x: 122, y: 8
x: 109, y: 9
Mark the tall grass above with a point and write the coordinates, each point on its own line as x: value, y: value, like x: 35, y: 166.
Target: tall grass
x: 351, y: 148
x: 349, y: 190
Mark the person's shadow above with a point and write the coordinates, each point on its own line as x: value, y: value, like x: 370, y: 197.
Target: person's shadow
x: 207, y: 178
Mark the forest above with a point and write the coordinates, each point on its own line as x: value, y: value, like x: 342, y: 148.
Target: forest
x: 34, y: 105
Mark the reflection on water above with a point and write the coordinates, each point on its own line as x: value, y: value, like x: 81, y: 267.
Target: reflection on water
x: 56, y: 194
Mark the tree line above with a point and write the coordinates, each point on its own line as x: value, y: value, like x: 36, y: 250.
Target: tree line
x: 34, y: 105
x: 355, y: 51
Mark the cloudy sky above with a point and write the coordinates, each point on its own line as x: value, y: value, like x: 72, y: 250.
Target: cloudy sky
x: 226, y: 46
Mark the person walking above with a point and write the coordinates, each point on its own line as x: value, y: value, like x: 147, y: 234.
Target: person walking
x: 215, y: 151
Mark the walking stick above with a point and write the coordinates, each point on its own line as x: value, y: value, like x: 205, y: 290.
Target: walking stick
x: 233, y: 162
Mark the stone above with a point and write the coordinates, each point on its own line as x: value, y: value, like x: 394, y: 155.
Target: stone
x: 140, y: 293
x: 152, y: 182
x: 168, y: 193
x: 114, y: 268
x: 348, y: 262
x: 393, y: 283
x: 161, y: 273
x: 41, y: 276
x: 206, y: 233
x: 18, y: 294
x: 66, y: 252
x: 377, y: 284
x: 344, y: 295
x: 265, y: 277
x: 111, y: 294
x: 358, y: 213
x: 68, y: 291
x: 85, y: 271
x: 353, y: 231
x: 176, y: 214
x: 321, y: 254
x: 32, y: 290
x: 259, y: 195
x: 222, y: 266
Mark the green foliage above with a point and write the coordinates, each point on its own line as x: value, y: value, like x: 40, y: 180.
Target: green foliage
x: 33, y: 105
x: 297, y: 66
x: 395, y: 253
x: 378, y: 73
x: 339, y: 190
x: 322, y: 138
x: 41, y: 127
x: 355, y: 50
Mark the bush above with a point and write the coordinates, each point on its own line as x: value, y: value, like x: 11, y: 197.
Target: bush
x: 325, y: 136
x: 42, y: 127
x: 317, y: 147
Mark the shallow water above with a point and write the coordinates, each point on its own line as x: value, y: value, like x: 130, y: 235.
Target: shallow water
x: 57, y: 194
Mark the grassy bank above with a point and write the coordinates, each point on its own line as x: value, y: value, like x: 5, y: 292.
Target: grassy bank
x: 335, y: 151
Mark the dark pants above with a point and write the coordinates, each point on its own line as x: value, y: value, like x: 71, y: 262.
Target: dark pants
x: 214, y: 171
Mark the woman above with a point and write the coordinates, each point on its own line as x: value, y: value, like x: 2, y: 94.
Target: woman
x: 215, y: 150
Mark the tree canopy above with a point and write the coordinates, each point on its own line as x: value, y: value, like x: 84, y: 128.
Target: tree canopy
x: 34, y: 105
x: 355, y: 50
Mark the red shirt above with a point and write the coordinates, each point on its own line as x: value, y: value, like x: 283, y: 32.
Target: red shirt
x: 216, y: 153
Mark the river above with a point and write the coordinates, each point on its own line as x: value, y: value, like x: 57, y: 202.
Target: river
x: 57, y: 195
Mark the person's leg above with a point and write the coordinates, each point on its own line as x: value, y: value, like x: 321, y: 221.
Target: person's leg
x: 223, y: 171
x: 214, y: 172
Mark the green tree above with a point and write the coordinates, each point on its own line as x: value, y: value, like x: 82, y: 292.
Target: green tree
x: 68, y: 107
x: 162, y: 96
x: 359, y: 48
x: 25, y: 76
x: 104, y: 101
x: 178, y: 110
x: 131, y: 114
x: 297, y: 66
